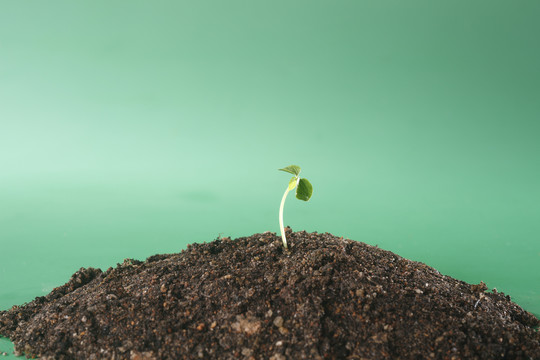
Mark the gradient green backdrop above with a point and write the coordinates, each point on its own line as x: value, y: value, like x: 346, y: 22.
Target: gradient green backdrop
x: 129, y: 128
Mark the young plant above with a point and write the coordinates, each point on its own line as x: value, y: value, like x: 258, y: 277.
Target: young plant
x: 303, y: 192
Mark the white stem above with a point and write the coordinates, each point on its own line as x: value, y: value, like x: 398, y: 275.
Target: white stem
x: 283, y: 238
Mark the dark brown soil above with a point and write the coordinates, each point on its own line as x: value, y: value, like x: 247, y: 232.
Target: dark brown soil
x: 328, y: 298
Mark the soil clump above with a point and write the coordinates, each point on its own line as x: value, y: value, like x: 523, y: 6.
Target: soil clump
x: 325, y: 298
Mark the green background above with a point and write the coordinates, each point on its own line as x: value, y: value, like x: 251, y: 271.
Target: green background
x: 129, y: 128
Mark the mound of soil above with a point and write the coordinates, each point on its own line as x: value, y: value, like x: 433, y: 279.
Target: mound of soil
x: 326, y: 298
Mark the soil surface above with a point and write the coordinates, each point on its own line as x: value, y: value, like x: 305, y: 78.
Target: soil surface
x: 326, y: 298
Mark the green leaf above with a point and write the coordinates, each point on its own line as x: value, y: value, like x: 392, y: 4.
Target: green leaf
x: 292, y: 182
x: 292, y: 169
x: 304, y: 190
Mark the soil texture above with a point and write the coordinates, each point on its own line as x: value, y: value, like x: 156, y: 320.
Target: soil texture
x: 325, y: 298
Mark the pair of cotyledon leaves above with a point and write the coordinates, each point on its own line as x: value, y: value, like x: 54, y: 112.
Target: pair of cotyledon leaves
x: 304, y: 190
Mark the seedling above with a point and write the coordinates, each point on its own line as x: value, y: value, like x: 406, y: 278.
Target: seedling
x: 303, y: 192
